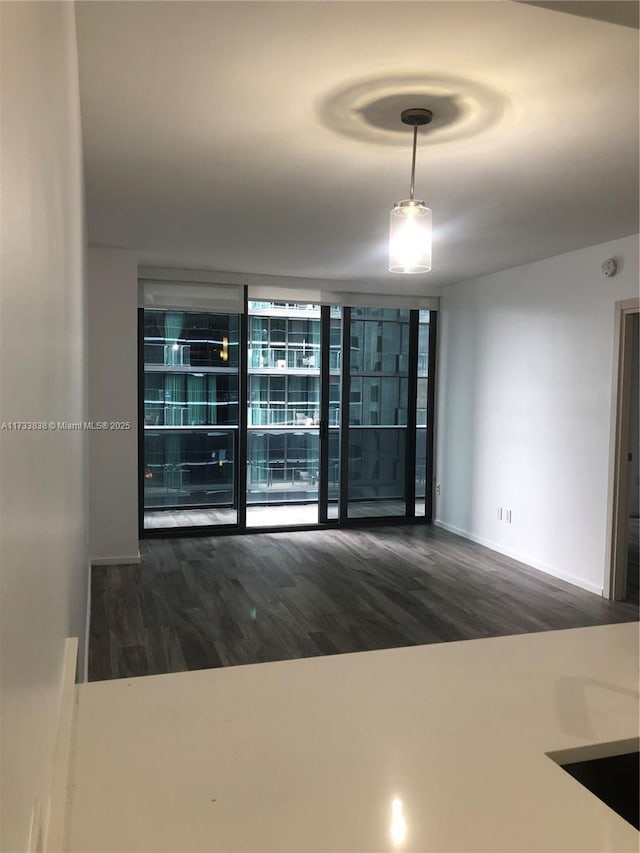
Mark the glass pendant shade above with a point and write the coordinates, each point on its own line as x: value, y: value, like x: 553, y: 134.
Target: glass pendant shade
x: 410, y: 237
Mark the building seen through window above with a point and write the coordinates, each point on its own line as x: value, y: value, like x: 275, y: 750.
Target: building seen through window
x: 192, y: 365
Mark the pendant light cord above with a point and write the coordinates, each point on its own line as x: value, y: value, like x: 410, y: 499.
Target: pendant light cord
x: 413, y: 161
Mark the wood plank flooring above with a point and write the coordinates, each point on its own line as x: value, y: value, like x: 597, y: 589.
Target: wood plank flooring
x: 208, y: 602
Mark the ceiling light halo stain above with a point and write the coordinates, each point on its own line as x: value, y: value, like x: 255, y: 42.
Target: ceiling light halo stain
x: 366, y: 110
x: 411, y: 220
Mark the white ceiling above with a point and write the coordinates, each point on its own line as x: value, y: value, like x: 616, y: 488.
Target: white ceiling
x: 264, y: 137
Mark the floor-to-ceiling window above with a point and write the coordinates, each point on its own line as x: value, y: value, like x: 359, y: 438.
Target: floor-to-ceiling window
x: 190, y: 418
x: 378, y: 404
x: 286, y: 414
x: 424, y: 409
x: 283, y: 422
x: 334, y: 411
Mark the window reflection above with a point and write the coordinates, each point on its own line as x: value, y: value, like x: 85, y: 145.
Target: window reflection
x: 189, y: 469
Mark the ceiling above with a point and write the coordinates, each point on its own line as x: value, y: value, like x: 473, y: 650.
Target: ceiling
x: 264, y: 137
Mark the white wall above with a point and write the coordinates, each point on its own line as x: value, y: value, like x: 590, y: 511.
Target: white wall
x: 113, y: 397
x: 43, y: 566
x: 524, y: 408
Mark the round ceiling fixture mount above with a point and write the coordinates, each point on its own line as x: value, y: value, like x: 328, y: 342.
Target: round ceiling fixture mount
x: 416, y: 116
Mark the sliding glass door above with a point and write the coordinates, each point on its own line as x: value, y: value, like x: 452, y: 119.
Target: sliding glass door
x: 287, y: 415
x: 283, y: 424
x: 377, y: 389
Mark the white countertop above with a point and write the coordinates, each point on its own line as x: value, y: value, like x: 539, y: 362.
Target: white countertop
x: 440, y: 747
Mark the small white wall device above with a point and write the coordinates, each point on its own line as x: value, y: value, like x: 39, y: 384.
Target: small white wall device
x: 609, y: 267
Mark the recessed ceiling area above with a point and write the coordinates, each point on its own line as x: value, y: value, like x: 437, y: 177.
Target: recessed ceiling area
x: 259, y: 137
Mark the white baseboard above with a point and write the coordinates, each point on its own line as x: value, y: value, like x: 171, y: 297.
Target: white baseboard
x: 54, y: 834
x: 522, y: 558
x: 116, y: 561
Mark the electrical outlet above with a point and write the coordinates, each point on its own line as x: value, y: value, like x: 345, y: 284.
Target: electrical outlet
x: 508, y: 516
x: 437, y: 488
x: 499, y: 513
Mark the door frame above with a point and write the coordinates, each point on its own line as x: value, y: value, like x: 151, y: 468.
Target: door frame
x: 615, y: 581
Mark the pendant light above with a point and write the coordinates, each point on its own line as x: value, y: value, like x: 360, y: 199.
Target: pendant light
x: 410, y: 227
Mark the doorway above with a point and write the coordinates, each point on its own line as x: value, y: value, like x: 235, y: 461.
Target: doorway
x: 633, y: 502
x: 625, y: 506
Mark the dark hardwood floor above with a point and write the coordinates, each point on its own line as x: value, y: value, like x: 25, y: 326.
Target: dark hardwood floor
x: 209, y: 602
